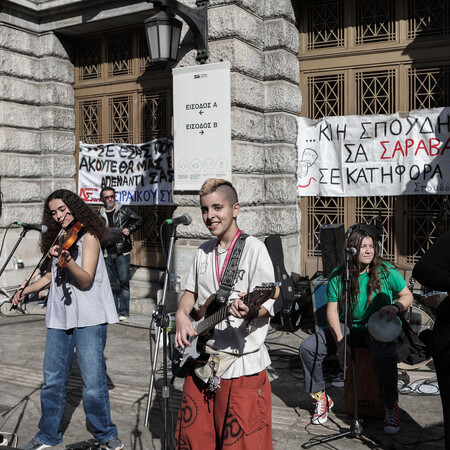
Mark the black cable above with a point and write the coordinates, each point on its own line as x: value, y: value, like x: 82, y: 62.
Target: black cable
x: 4, y: 236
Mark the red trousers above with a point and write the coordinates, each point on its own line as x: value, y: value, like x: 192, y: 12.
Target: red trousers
x: 237, y: 416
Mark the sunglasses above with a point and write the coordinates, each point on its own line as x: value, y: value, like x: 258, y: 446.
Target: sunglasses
x: 106, y: 197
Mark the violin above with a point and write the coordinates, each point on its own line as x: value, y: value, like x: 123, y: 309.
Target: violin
x: 66, y: 241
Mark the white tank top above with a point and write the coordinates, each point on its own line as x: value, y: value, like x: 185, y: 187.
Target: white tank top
x: 70, y: 306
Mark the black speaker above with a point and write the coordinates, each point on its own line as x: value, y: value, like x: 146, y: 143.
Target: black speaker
x: 332, y: 241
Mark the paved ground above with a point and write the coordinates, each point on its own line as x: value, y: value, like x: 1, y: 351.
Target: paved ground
x: 128, y: 359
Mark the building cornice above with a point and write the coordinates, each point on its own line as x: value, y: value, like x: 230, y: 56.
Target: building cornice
x: 73, y: 17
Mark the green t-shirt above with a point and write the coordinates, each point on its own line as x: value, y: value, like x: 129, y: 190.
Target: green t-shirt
x: 391, y: 282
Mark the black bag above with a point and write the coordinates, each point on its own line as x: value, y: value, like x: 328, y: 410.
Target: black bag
x: 411, y: 349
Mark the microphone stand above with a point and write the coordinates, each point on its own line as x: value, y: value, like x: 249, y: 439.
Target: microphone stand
x: 19, y: 240
x: 161, y: 322
x: 356, y: 428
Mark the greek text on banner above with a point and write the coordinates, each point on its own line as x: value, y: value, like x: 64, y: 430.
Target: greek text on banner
x: 141, y: 174
x: 354, y: 156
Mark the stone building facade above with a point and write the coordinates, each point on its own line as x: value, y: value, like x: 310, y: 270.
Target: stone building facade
x: 37, y: 120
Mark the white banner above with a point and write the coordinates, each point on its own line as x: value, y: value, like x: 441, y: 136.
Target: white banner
x: 141, y: 174
x: 354, y: 156
x: 202, y: 124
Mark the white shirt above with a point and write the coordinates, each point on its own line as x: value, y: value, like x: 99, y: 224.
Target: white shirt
x: 231, y: 336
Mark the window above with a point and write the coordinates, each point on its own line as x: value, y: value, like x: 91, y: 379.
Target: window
x: 369, y: 67
x: 119, y: 99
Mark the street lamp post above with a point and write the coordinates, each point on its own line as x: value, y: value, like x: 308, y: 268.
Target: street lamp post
x: 163, y: 30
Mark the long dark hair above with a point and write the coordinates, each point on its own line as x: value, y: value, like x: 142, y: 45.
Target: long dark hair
x: 92, y: 222
x: 355, y: 240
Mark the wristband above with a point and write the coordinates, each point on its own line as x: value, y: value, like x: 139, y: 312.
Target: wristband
x: 398, y: 307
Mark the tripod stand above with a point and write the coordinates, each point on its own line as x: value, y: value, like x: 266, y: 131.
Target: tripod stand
x: 356, y: 428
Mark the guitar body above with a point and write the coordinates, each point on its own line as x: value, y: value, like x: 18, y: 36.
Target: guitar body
x: 197, y: 350
x: 212, y: 313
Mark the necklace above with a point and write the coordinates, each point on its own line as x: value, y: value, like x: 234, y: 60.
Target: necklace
x: 222, y: 252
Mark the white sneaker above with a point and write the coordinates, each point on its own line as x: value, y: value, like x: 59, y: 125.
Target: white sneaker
x: 123, y: 317
x: 34, y: 445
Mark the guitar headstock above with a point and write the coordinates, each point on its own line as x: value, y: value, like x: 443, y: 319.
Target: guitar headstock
x: 262, y: 293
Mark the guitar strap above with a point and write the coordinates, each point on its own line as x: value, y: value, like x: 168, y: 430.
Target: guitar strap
x: 227, y: 282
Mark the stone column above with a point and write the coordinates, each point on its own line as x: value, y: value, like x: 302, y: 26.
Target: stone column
x: 37, y: 122
x: 260, y: 40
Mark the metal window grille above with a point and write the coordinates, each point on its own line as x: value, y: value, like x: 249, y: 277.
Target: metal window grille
x: 153, y: 116
x: 121, y: 119
x: 429, y: 87
x: 90, y: 121
x: 325, y: 24
x: 89, y: 58
x: 375, y: 21
x: 426, y: 216
x: 326, y: 95
x: 428, y: 17
x: 375, y: 92
x: 143, y: 52
x: 120, y: 56
x: 322, y: 211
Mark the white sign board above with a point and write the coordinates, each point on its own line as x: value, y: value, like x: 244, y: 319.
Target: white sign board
x: 202, y: 124
x: 141, y: 174
x: 353, y: 156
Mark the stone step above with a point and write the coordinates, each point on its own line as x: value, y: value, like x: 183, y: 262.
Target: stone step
x: 146, y: 274
x: 141, y: 289
x: 143, y: 306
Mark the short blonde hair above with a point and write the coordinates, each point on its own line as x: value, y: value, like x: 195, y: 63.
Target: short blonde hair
x: 223, y: 186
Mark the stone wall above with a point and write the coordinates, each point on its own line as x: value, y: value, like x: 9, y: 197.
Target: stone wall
x: 37, y: 140
x: 260, y: 40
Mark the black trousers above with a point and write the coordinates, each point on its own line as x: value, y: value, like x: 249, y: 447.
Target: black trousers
x: 440, y: 350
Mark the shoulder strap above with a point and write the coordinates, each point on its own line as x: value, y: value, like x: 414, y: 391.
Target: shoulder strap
x: 227, y: 283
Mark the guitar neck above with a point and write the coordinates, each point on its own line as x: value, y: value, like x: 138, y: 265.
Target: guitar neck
x: 256, y: 298
x: 212, y: 320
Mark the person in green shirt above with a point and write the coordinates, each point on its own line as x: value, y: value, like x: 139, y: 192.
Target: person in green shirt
x: 375, y: 286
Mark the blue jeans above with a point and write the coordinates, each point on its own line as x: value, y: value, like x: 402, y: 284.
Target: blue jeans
x: 59, y: 349
x: 316, y: 347
x: 118, y: 267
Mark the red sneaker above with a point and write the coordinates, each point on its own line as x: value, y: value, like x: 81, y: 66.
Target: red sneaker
x: 323, y: 406
x: 392, y: 419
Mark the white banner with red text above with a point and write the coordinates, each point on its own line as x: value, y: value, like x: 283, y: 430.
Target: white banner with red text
x: 354, y: 156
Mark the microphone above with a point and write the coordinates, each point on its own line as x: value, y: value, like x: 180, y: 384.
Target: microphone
x: 31, y: 226
x: 184, y: 219
x: 351, y: 250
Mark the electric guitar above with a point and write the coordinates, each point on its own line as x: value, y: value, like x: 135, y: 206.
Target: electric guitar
x: 212, y: 313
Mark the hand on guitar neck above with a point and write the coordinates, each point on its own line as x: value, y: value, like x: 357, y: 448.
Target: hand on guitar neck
x: 190, y: 340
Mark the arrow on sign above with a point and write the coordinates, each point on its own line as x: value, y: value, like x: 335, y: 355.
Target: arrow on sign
x: 201, y: 132
x: 201, y: 112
